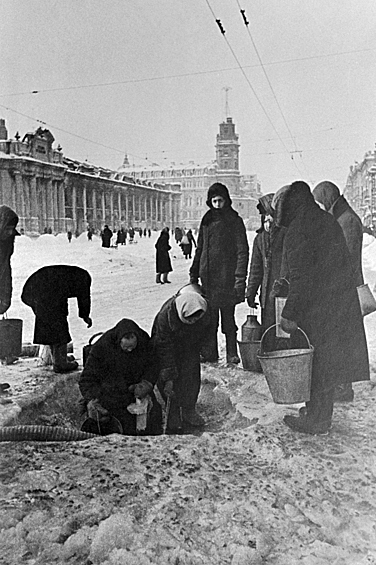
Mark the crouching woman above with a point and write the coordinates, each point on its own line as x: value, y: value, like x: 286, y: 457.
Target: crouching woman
x: 118, y: 377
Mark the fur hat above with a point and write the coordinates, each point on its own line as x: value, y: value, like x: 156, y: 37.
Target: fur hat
x: 218, y: 189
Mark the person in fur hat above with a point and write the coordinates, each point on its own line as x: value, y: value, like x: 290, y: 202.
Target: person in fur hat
x: 220, y: 263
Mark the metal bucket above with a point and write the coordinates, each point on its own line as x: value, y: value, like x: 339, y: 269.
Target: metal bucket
x: 248, y: 353
x: 288, y: 372
x: 10, y: 337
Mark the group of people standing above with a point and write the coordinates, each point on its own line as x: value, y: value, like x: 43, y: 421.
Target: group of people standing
x: 113, y: 239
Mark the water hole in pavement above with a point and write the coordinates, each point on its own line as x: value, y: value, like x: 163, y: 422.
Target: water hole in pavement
x: 61, y: 408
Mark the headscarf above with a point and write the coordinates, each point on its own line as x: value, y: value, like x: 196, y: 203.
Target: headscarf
x: 218, y: 189
x: 265, y: 204
x: 326, y: 193
x: 188, y: 304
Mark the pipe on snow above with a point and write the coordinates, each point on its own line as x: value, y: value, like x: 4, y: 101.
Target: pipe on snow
x: 42, y: 433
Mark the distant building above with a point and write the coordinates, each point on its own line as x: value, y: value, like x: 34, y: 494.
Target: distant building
x: 195, y: 180
x: 360, y: 189
x: 49, y: 191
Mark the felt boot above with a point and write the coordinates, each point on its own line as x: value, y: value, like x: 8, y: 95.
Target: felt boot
x: 59, y: 359
x: 165, y: 278
x: 158, y: 278
x: 232, y: 349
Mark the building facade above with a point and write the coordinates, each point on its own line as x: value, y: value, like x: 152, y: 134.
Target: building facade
x: 360, y: 189
x: 50, y: 192
x: 195, y: 179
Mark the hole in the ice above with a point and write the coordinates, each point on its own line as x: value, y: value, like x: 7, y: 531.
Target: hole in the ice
x: 61, y: 409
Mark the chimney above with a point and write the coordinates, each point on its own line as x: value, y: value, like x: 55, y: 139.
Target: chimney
x: 3, y: 130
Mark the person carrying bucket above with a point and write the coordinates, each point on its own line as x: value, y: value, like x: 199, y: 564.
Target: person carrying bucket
x: 322, y: 301
x: 265, y: 264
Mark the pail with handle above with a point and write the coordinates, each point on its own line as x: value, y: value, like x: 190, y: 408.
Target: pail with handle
x: 10, y: 337
x: 288, y: 372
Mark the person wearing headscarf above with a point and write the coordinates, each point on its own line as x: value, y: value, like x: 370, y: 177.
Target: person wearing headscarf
x: 266, y: 259
x: 121, y: 368
x: 8, y: 223
x: 46, y: 292
x: 323, y: 301
x: 220, y: 263
x: 327, y: 194
x: 177, y: 333
x: 163, y: 261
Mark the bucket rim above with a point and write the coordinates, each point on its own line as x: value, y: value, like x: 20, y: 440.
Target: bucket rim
x: 294, y: 353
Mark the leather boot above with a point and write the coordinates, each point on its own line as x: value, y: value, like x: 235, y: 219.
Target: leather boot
x: 158, y: 278
x: 232, y: 349
x: 59, y: 359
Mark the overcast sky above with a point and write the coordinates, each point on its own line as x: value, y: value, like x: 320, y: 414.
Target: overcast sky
x: 147, y: 77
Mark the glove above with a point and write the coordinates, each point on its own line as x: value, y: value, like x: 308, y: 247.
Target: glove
x: 239, y: 294
x: 95, y: 410
x: 288, y: 326
x: 169, y: 374
x: 142, y: 389
x: 280, y: 288
x: 193, y: 280
x: 169, y: 388
x: 251, y: 302
x: 88, y: 321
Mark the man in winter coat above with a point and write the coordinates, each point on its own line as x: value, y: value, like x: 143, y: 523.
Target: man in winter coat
x: 121, y: 368
x: 266, y: 262
x: 8, y: 223
x: 177, y: 334
x: 47, y: 291
x: 220, y: 262
x: 327, y: 194
x: 323, y: 301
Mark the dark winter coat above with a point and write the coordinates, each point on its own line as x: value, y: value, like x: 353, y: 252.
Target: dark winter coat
x: 328, y: 194
x: 47, y: 291
x: 106, y: 236
x: 177, y: 348
x: 322, y: 298
x: 163, y: 261
x: 264, y: 269
x: 221, y: 257
x: 7, y: 218
x: 109, y: 372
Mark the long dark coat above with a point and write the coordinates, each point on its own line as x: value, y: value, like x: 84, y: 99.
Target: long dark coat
x: 265, y: 268
x: 221, y: 257
x: 47, y: 291
x: 327, y: 194
x: 106, y: 236
x: 177, y: 347
x: 322, y: 297
x: 7, y: 218
x: 163, y: 261
x: 109, y: 372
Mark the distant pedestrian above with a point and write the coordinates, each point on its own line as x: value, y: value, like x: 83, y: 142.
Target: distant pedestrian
x: 178, y: 235
x: 327, y: 194
x: 145, y: 232
x: 163, y: 261
x: 140, y: 232
x: 89, y: 234
x: 149, y: 232
x: 69, y: 236
x: 131, y: 234
x: 106, y: 236
x: 220, y: 262
x: 8, y: 223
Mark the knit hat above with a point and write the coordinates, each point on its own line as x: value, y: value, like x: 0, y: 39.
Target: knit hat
x: 188, y: 304
x: 218, y: 189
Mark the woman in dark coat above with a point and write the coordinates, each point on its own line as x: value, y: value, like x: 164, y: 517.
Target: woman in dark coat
x: 120, y: 368
x: 106, y: 236
x: 163, y: 261
x: 47, y: 291
x: 177, y: 334
x: 186, y: 244
x: 327, y: 194
x: 323, y: 301
x: 220, y: 262
x: 266, y: 262
x: 8, y: 223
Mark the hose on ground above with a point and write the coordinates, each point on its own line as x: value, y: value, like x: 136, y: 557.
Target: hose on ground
x: 42, y: 433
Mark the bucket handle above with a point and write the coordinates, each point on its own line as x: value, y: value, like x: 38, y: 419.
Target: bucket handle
x: 274, y: 326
